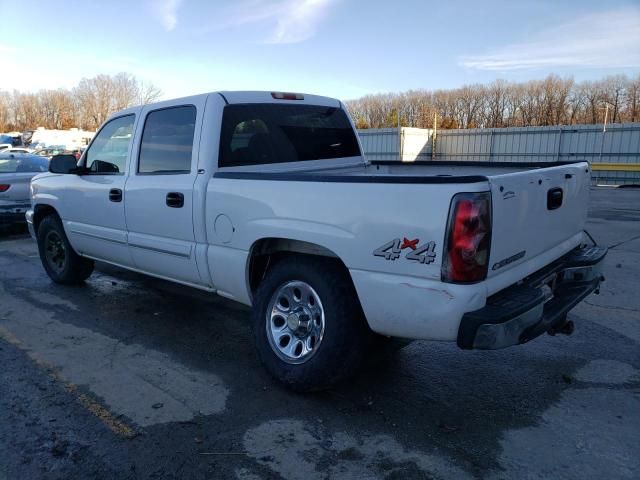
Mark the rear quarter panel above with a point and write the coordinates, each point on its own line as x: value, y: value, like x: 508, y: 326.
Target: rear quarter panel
x: 349, y: 219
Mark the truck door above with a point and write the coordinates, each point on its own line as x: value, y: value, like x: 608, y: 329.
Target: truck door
x: 94, y: 213
x: 159, y: 196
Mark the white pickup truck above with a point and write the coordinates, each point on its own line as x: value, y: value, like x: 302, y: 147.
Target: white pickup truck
x: 265, y: 198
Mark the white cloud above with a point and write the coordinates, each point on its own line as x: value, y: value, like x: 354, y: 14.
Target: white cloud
x: 166, y: 11
x: 290, y: 21
x: 598, y: 40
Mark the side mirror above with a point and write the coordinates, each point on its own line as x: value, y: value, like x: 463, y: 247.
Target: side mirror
x: 63, y: 164
x: 100, y: 166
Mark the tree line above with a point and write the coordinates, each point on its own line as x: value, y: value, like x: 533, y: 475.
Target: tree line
x: 85, y: 106
x: 551, y: 101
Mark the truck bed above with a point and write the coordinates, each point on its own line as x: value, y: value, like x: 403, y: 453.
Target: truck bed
x: 394, y: 171
x: 525, y: 223
x: 459, y: 168
x: 446, y: 168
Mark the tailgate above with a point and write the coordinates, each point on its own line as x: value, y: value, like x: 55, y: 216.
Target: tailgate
x: 536, y: 210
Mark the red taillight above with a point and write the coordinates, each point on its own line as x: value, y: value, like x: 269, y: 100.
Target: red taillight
x: 287, y: 96
x: 466, y: 253
x: 4, y: 187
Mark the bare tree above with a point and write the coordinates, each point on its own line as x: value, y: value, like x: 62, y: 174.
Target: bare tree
x: 5, y: 112
x: 496, y: 103
x: 613, y: 90
x: 576, y: 104
x: 26, y: 109
x: 468, y: 102
x: 85, y: 106
x: 148, y: 93
x: 551, y: 101
x: 593, y: 96
x: 633, y: 100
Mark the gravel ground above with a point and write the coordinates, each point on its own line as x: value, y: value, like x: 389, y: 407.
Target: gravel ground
x: 132, y: 377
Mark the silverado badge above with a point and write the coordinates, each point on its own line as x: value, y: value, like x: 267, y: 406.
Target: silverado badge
x: 419, y: 253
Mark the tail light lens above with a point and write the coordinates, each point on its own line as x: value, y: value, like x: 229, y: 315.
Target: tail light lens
x: 468, y: 238
x: 4, y: 187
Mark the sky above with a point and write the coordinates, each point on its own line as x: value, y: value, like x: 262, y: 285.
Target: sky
x: 340, y: 48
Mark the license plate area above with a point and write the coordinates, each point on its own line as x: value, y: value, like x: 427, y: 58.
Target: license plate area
x: 548, y: 285
x: 581, y: 274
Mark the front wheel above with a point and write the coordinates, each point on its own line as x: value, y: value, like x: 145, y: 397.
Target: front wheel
x: 60, y: 261
x: 309, y: 329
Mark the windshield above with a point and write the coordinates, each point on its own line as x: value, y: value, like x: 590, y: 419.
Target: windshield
x: 264, y: 133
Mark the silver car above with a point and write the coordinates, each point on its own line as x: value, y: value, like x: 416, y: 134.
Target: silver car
x: 16, y: 171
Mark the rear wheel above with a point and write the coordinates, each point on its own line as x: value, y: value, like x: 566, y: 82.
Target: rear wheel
x: 309, y: 329
x: 60, y: 261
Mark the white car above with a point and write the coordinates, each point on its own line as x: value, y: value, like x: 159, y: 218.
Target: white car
x: 17, y: 150
x: 265, y: 198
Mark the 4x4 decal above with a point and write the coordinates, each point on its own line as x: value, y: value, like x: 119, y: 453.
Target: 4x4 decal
x: 393, y: 249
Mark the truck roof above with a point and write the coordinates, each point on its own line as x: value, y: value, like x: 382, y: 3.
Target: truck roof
x: 268, y: 97
x: 235, y: 97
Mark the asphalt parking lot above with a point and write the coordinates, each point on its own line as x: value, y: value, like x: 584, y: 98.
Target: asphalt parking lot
x: 132, y: 377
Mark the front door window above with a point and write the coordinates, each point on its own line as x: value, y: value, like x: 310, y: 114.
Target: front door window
x: 108, y: 151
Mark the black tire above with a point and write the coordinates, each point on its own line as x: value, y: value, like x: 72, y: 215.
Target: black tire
x: 60, y: 261
x: 346, y: 334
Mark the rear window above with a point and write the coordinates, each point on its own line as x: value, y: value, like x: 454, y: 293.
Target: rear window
x: 16, y: 164
x: 256, y: 134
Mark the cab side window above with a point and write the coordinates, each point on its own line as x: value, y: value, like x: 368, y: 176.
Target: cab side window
x: 167, y: 141
x: 108, y: 152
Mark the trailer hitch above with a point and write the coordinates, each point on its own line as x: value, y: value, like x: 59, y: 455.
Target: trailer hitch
x: 567, y: 327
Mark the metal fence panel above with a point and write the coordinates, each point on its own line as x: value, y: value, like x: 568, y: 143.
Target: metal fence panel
x: 415, y: 144
x: 614, y: 153
x: 380, y: 143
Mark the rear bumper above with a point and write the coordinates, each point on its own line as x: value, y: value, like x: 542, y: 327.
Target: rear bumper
x: 13, y: 213
x: 540, y: 303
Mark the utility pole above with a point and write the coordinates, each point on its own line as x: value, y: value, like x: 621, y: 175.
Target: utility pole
x: 604, y: 130
x: 399, y: 137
